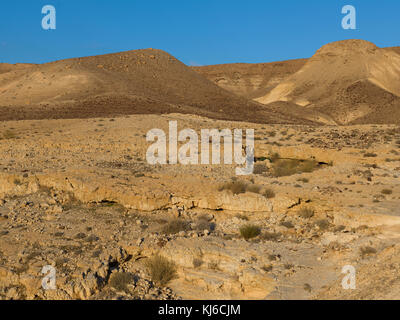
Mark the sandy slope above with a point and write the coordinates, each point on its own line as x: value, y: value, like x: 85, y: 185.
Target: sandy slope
x: 352, y: 81
x: 250, y: 80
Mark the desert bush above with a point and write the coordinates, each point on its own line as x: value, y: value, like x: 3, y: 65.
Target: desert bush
x: 120, y: 280
x: 268, y: 193
x: 242, y: 217
x: 370, y: 155
x: 307, y: 287
x: 287, y: 224
x: 214, y: 265
x: 253, y: 188
x: 288, y: 266
x: 267, y: 268
x: 387, y: 191
x: 249, y: 231
x: 203, y: 223
x: 323, y: 224
x: 8, y: 134
x: 197, y: 262
x: 274, y: 157
x: 270, y: 236
x: 161, y: 270
x: 306, y: 212
x: 365, y: 251
x: 236, y: 187
x: 176, y: 225
x: 260, y: 168
x: 288, y: 167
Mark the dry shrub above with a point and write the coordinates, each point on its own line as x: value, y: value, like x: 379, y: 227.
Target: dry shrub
x: 366, y: 251
x: 249, y: 231
x: 120, y: 280
x: 387, y: 191
x: 8, y: 134
x: 271, y: 236
x: 260, y: 168
x: 236, y: 187
x: 323, y: 224
x: 175, y: 226
x: 268, y: 193
x: 197, y: 262
x: 161, y: 270
x: 306, y: 212
x: 288, y: 167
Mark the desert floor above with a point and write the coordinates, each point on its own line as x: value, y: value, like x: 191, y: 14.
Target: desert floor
x: 79, y: 195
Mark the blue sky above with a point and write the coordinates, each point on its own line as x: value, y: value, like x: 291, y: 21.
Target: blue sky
x: 198, y: 32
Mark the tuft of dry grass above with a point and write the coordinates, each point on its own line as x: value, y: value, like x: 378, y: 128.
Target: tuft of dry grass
x: 271, y: 236
x: 236, y: 187
x: 366, y: 251
x: 175, y: 226
x: 306, y: 212
x: 242, y: 217
x: 323, y: 224
x: 260, y: 168
x: 197, y: 262
x: 120, y: 280
x: 161, y: 270
x: 370, y: 155
x: 8, y: 134
x: 268, y: 193
x: 288, y: 167
x: 387, y: 191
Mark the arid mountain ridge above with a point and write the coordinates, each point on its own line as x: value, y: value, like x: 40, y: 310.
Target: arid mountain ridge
x: 345, y: 82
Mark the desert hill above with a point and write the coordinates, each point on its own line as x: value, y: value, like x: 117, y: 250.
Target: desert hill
x: 140, y: 81
x: 396, y: 49
x: 7, y: 67
x: 250, y: 80
x: 345, y: 82
x: 352, y: 81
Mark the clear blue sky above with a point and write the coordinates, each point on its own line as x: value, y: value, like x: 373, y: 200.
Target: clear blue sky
x: 195, y: 31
